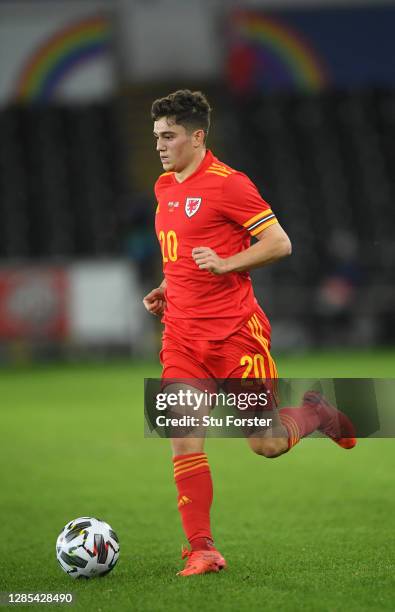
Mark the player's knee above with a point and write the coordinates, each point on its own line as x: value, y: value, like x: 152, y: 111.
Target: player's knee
x: 185, y: 446
x: 270, y: 450
x: 269, y: 447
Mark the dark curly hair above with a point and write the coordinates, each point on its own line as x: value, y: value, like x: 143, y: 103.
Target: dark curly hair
x: 189, y: 109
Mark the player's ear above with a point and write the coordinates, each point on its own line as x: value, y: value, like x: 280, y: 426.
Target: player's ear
x: 198, y: 138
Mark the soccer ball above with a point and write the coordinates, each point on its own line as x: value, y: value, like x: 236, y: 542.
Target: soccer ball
x: 87, y: 547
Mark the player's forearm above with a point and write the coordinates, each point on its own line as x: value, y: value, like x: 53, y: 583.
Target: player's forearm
x: 259, y: 254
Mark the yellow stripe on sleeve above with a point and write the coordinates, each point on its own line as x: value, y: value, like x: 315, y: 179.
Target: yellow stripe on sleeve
x: 260, y: 215
x: 263, y: 226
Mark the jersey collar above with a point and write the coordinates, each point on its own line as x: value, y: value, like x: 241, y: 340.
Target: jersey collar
x: 204, y: 164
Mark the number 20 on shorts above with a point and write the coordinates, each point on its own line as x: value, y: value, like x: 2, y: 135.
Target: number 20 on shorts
x: 256, y: 364
x: 169, y: 245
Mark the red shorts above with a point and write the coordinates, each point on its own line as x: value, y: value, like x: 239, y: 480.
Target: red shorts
x: 244, y: 354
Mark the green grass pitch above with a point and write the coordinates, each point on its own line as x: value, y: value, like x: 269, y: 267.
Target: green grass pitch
x: 312, y: 530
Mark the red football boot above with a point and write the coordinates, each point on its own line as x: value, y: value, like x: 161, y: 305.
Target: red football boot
x: 201, y: 562
x: 333, y: 423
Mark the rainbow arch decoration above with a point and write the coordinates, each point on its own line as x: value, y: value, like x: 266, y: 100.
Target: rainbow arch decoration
x: 266, y: 53
x: 64, y: 51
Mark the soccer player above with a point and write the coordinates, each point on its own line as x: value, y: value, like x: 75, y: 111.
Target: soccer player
x: 214, y: 328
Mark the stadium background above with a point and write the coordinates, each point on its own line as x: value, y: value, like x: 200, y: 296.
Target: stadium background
x: 304, y: 102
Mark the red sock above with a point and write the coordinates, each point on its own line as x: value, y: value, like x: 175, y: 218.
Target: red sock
x: 195, y: 494
x: 299, y: 422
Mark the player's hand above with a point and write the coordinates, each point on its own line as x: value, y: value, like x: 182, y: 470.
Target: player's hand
x: 155, y: 301
x: 207, y: 259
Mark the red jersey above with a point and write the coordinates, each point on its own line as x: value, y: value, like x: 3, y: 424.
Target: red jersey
x: 215, y: 207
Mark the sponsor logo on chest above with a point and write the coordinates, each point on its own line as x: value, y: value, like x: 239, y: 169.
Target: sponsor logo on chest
x: 192, y: 205
x: 172, y: 205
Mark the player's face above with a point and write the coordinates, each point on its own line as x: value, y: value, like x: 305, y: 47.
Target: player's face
x: 176, y: 147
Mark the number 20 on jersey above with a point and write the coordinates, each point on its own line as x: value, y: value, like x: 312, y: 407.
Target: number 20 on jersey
x: 169, y: 245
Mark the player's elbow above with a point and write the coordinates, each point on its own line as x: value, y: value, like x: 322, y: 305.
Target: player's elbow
x: 285, y: 246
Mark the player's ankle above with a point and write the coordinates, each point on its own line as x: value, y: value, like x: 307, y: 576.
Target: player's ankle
x: 202, y: 544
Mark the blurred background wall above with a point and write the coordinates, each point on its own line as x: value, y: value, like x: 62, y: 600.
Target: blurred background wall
x: 304, y: 102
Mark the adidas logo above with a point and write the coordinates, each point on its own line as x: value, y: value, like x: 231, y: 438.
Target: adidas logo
x: 183, y: 501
